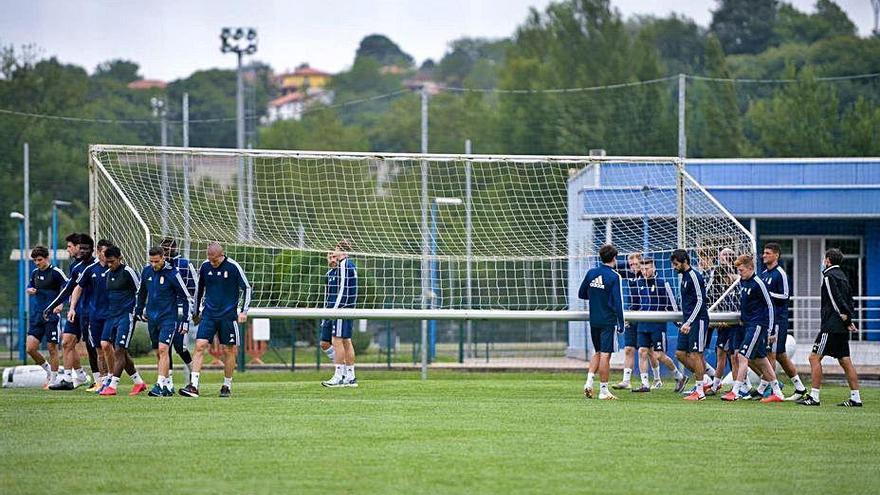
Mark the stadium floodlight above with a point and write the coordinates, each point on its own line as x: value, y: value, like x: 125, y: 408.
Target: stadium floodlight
x: 17, y: 216
x: 56, y: 204
x: 238, y: 40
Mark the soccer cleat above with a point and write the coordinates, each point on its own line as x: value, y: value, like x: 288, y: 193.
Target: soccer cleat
x: 642, y: 389
x: 108, y: 390
x: 710, y: 391
x: 772, y: 398
x: 622, y: 386
x: 138, y: 388
x: 850, y: 403
x: 607, y: 396
x: 189, y: 391
x: 797, y: 395
x: 225, y: 392
x: 82, y: 383
x: 350, y: 383
x: 689, y: 391
x: 167, y: 392
x: 62, y: 385
x: 744, y: 395
x: 336, y: 381
x: 680, y: 383
x: 808, y: 400
x: 730, y: 397
x: 94, y: 388
x: 588, y: 392
x: 156, y: 391
x: 752, y: 395
x: 658, y: 384
x: 695, y: 396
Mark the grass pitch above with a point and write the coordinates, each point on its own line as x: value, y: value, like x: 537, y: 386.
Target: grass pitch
x: 461, y: 433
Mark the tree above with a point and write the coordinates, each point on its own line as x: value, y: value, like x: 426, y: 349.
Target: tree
x: 320, y: 129
x: 123, y: 71
x: 384, y: 51
x: 829, y: 21
x: 467, y: 55
x: 679, y: 41
x: 745, y: 26
x: 720, y: 135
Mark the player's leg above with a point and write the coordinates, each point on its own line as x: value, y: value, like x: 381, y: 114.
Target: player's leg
x: 167, y: 329
x: 747, y: 351
x: 697, y: 344
x: 230, y: 340
x: 645, y: 343
x: 108, y: 352
x: 593, y: 366
x: 681, y: 354
x: 608, y: 345
x: 180, y: 347
x: 204, y: 336
x: 326, y: 339
x: 348, y: 379
x: 32, y: 346
x: 53, y: 337
x: 852, y: 379
x: 338, y: 378
x: 629, y: 352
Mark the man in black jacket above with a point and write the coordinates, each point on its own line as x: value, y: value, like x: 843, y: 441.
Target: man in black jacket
x: 833, y: 338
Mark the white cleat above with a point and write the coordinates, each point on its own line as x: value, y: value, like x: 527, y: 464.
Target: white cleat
x: 658, y: 384
x: 622, y: 386
x: 336, y: 381
x: 607, y: 396
x: 353, y: 383
x: 797, y: 395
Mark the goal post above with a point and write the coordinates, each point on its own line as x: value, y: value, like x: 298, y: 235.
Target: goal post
x: 439, y: 237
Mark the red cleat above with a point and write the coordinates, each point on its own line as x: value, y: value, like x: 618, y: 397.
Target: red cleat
x: 108, y: 391
x: 771, y: 398
x: 138, y: 388
x: 730, y: 396
x: 695, y: 396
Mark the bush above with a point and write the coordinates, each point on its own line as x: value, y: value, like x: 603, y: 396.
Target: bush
x: 360, y: 340
x: 140, y: 344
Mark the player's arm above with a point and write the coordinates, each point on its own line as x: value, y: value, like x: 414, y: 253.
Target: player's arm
x: 245, y: 287
x: 838, y: 300
x: 701, y: 301
x: 779, y: 288
x: 141, y: 299
x: 768, y: 301
x: 617, y: 301
x: 32, y: 286
x: 62, y: 296
x: 74, y: 298
x: 669, y: 304
x: 584, y: 291
x: 183, y: 293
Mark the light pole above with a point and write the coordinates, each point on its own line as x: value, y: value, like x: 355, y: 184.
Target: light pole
x: 435, y: 282
x: 57, y: 203
x: 241, y: 41
x: 160, y: 111
x: 22, y: 278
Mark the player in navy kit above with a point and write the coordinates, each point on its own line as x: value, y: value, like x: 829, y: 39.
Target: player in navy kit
x: 341, y: 292
x: 178, y: 342
x: 602, y: 286
x: 692, y: 335
x: 89, y: 302
x: 221, y: 284
x: 46, y: 282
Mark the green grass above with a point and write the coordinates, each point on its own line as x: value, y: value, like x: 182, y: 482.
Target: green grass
x: 458, y: 432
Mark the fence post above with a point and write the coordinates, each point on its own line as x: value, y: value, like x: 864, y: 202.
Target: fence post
x: 293, y: 346
x: 461, y: 341
x: 318, y: 345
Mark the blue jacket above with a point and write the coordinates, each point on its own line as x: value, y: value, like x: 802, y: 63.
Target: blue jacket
x: 190, y: 278
x: 220, y: 288
x: 159, y: 293
x: 653, y: 295
x: 49, y: 283
x: 93, y: 281
x: 122, y: 288
x: 75, y: 270
x: 342, y: 285
x: 694, y: 304
x: 776, y: 281
x: 602, y: 286
x: 756, y: 307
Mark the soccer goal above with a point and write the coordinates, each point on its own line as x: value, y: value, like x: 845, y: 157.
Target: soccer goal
x: 439, y: 237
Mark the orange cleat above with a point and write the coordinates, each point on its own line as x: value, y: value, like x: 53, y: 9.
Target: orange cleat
x: 695, y: 396
x: 730, y: 396
x: 772, y: 398
x: 138, y: 388
x: 108, y: 391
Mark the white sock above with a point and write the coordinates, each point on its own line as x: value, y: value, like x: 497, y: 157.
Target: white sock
x: 603, y: 387
x: 627, y: 374
x: 331, y: 353
x: 195, y: 379
x: 656, y: 371
x: 169, y: 382
x: 644, y: 380
x: 97, y: 376
x: 47, y: 369
x: 349, y: 372
x: 814, y: 393
x: 68, y: 377
x: 737, y: 386
x: 114, y: 381
x: 747, y: 382
x: 136, y: 378
x: 678, y: 374
x: 854, y: 396
x: 53, y: 375
x: 227, y: 382
x: 763, y: 386
x: 340, y: 371
x: 796, y: 381
x: 700, y: 391
x: 590, y: 377
x: 80, y: 374
x: 160, y: 381
x: 707, y: 380
x: 716, y: 382
x: 774, y: 385
x: 710, y: 370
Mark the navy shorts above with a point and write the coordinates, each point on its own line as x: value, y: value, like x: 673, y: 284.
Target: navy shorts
x: 161, y: 331
x: 95, y: 331
x: 736, y: 338
x: 179, y: 339
x: 754, y: 344
x: 695, y: 340
x: 74, y: 327
x: 723, y: 340
x: 336, y: 328
x: 604, y: 339
x: 119, y: 330
x: 781, y: 338
x: 227, y: 329
x: 652, y: 336
x: 630, y: 335
x: 40, y: 328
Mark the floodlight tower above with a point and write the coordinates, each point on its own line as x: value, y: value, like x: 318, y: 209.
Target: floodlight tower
x: 241, y: 41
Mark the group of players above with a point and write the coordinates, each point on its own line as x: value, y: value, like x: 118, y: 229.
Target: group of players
x: 757, y: 342
x: 107, y: 297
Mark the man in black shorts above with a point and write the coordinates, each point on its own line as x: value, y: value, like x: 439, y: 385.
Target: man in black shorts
x: 833, y: 339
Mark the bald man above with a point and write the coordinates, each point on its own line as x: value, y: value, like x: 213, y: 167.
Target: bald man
x: 221, y: 285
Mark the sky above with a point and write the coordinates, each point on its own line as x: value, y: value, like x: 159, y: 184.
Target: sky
x: 172, y: 39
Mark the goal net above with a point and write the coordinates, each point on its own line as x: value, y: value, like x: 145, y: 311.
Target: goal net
x: 433, y: 236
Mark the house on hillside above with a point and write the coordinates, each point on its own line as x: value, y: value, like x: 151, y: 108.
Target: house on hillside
x: 301, y: 88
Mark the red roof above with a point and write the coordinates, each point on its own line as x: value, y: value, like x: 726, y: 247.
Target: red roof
x: 288, y: 98
x: 308, y: 71
x: 147, y: 84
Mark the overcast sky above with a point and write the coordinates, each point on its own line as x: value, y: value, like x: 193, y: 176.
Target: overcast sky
x: 172, y: 39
